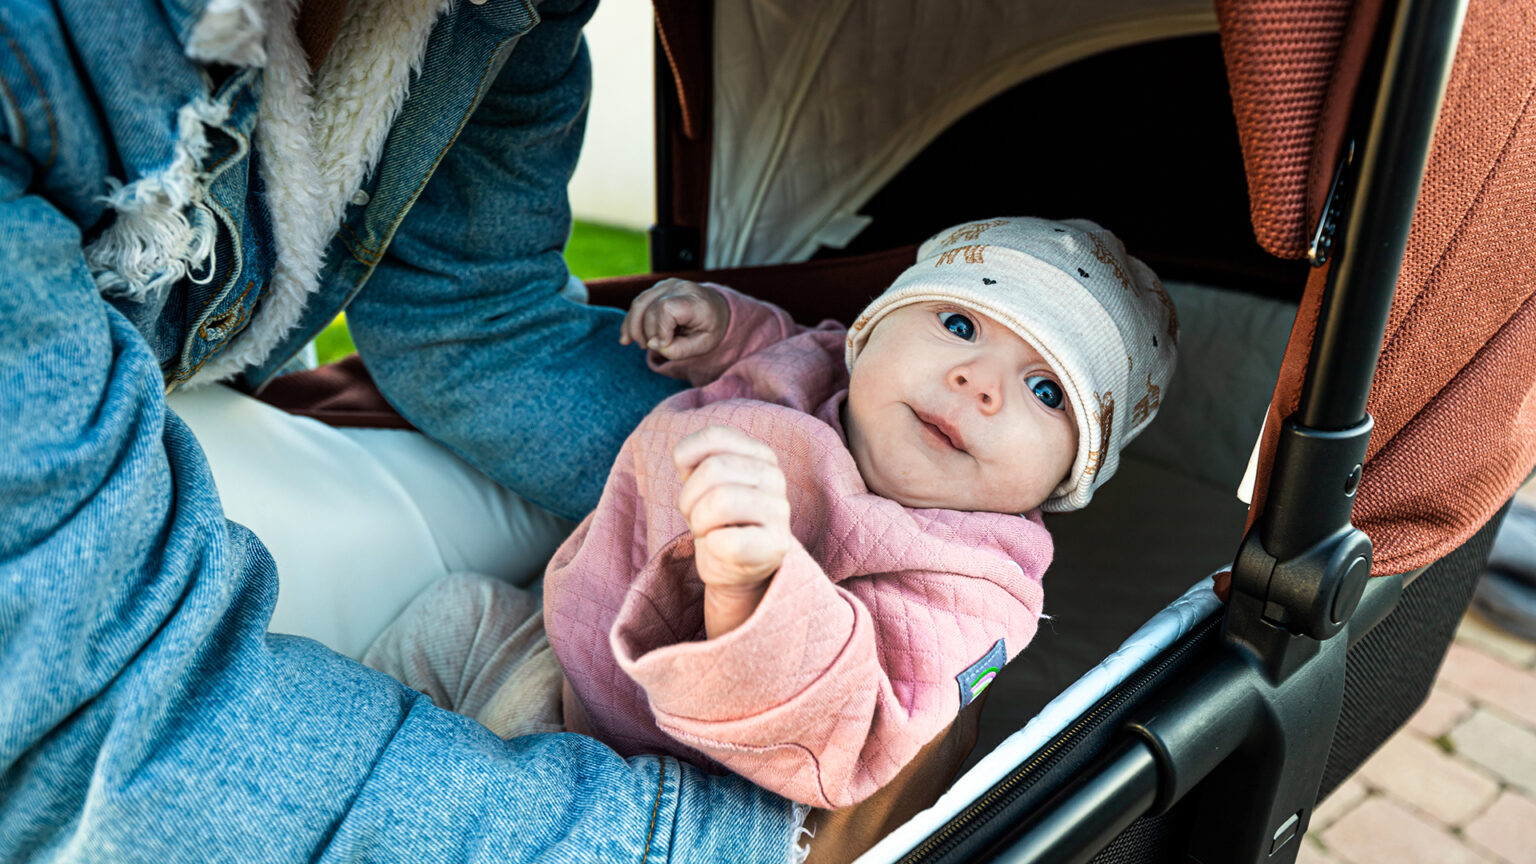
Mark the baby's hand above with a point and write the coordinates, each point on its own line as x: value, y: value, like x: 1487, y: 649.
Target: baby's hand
x: 734, y: 502
x: 677, y: 319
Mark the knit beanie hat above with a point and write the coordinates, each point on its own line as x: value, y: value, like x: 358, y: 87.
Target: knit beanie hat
x: 1097, y: 315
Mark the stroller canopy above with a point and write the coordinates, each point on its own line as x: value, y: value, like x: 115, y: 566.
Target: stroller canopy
x: 795, y: 113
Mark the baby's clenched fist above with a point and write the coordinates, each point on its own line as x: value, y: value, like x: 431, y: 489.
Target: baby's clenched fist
x: 677, y: 319
x: 733, y: 499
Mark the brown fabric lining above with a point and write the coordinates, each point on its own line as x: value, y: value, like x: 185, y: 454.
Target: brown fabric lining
x: 811, y: 291
x: 683, y: 28
x: 337, y: 394
x: 318, y: 23
x: 679, y: 24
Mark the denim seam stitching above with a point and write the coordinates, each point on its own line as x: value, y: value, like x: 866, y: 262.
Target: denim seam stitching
x: 650, y: 832
x: 358, y: 249
x: 229, y: 318
x: 239, y: 253
x: 19, y: 136
x: 223, y: 290
x: 26, y: 68
x: 238, y: 325
x: 242, y: 141
x: 394, y: 224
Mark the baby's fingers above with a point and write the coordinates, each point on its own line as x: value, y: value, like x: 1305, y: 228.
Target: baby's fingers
x: 668, y: 318
x: 632, y: 331
x: 711, y: 440
x: 729, y: 469
x: 731, y: 505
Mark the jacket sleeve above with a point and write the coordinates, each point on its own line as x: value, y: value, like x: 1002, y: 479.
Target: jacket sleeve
x: 755, y: 324
x: 827, y: 691
x: 148, y: 716
x: 465, y: 324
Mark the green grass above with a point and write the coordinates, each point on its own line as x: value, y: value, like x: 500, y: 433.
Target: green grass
x: 594, y: 251
x: 335, y: 341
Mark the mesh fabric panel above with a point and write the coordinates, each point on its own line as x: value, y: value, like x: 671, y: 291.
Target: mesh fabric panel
x: 1390, y: 670
x: 1155, y: 838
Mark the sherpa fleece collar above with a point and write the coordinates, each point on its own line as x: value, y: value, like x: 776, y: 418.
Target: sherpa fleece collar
x: 318, y: 136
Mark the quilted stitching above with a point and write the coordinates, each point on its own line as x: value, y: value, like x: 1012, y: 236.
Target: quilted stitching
x: 847, y: 668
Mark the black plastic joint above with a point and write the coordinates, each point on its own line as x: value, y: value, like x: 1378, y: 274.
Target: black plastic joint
x: 1315, y: 592
x: 1312, y: 486
x: 1304, y: 567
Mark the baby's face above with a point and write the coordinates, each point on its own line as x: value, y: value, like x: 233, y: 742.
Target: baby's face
x: 947, y: 408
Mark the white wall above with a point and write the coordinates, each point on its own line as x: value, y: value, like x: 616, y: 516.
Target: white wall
x: 614, y: 181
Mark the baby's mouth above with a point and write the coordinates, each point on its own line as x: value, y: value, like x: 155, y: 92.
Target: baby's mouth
x: 940, y: 430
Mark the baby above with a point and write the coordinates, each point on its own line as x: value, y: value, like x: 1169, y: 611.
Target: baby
x: 803, y: 568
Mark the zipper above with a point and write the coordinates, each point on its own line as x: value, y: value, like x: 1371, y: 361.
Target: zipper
x: 1015, y: 784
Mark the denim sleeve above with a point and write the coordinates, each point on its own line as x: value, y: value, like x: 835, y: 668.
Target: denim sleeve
x: 145, y: 713
x: 463, y: 325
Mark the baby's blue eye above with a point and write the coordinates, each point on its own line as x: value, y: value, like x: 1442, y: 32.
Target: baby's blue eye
x: 959, y: 325
x: 1046, y: 390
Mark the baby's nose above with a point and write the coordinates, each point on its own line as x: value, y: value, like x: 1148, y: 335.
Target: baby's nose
x: 980, y: 384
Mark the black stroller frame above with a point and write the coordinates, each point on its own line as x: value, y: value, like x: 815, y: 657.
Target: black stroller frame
x: 1250, y: 725
x: 1243, y: 711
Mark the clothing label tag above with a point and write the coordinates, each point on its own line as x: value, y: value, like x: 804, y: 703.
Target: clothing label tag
x: 978, y: 675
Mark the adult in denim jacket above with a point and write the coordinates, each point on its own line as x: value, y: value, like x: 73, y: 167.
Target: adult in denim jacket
x: 177, y: 205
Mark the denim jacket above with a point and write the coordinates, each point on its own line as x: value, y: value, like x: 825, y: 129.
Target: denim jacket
x: 230, y: 213
x: 168, y: 156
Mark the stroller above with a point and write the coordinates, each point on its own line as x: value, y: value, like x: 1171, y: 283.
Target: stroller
x: 805, y: 148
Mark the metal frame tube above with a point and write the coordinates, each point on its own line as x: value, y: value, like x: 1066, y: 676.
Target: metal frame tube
x: 1391, y: 162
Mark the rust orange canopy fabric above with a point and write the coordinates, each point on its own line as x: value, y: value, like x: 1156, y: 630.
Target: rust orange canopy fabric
x: 1454, y: 398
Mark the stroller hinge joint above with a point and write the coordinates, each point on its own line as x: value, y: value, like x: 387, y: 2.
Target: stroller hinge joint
x: 1303, y: 567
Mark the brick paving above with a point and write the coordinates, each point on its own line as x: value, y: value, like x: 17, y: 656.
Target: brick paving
x: 1458, y: 783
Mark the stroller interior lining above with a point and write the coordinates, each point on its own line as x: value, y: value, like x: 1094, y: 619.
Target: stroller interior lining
x: 1151, y: 154
x: 1169, y: 516
x: 806, y: 128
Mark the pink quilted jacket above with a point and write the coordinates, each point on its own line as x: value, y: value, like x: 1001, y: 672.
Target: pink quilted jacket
x: 880, y: 625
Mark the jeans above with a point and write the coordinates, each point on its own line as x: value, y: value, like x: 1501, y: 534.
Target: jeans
x: 147, y: 715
